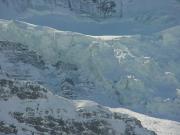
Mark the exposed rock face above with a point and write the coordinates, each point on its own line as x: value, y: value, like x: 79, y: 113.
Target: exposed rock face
x: 138, y: 10
x: 96, y: 8
x: 19, y: 62
x: 34, y: 110
x: 16, y: 52
x: 24, y: 90
x: 7, y: 129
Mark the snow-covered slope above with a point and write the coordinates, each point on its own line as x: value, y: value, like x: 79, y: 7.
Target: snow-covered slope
x: 91, y: 16
x: 159, y: 126
x: 137, y: 72
x: 27, y: 108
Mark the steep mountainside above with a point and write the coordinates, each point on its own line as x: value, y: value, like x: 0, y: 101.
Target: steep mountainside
x: 137, y: 72
x: 89, y: 67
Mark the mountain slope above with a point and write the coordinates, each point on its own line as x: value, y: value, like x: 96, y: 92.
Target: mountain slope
x: 159, y: 126
x: 34, y: 110
x: 144, y: 69
x: 50, y: 80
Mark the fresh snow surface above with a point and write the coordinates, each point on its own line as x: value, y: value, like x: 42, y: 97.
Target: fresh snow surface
x: 160, y: 126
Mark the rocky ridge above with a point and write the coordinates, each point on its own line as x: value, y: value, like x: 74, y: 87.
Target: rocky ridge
x: 36, y: 111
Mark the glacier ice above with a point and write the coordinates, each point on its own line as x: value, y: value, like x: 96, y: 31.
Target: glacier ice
x: 138, y: 72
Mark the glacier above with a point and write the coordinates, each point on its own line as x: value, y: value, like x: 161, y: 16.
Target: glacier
x: 139, y: 72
